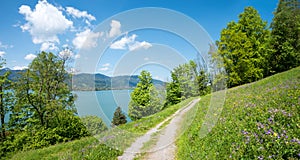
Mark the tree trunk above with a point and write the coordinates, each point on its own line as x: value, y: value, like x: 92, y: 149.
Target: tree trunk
x: 2, y: 113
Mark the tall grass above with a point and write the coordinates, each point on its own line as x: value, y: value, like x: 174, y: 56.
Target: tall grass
x: 258, y: 121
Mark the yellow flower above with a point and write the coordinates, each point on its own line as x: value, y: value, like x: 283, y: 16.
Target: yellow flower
x: 275, y: 134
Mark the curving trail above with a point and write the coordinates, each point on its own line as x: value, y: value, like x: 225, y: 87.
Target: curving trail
x: 164, y: 148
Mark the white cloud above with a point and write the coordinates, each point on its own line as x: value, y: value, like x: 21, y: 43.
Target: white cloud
x: 130, y: 43
x: 48, y: 46
x: 146, y: 58
x: 138, y: 45
x: 19, y: 67
x: 79, y: 14
x: 104, y: 69
x: 86, y: 39
x: 115, y: 29
x: 2, y: 53
x: 106, y: 65
x: 121, y: 44
x: 30, y: 57
x: 44, y: 22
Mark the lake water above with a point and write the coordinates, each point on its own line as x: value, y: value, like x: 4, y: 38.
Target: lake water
x: 102, y: 103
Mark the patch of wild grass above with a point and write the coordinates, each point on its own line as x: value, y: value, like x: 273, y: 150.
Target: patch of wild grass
x: 259, y: 121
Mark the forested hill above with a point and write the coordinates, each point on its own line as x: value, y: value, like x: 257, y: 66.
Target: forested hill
x: 85, y: 81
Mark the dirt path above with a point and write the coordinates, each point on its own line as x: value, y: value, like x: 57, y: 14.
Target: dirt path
x: 165, y: 147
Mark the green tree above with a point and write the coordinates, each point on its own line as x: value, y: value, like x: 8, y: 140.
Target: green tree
x: 119, y: 117
x: 5, y: 98
x: 242, y: 46
x: 44, y: 113
x: 174, y: 91
x: 285, y: 36
x: 42, y: 92
x: 144, y: 98
x: 202, y: 81
x: 188, y: 80
x: 187, y: 77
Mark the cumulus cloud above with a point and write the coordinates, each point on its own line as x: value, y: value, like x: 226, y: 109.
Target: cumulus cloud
x: 123, y: 42
x: 2, y: 53
x: 115, y: 29
x: 48, y: 46
x: 139, y: 45
x: 30, y: 57
x: 44, y: 22
x: 19, y: 67
x: 130, y: 43
x: 79, y: 14
x: 86, y: 39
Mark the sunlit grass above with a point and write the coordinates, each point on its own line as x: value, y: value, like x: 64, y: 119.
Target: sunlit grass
x: 259, y: 121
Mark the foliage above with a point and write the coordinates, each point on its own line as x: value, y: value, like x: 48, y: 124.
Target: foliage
x: 44, y: 112
x: 285, y: 36
x: 94, y: 124
x: 187, y: 81
x: 258, y: 121
x: 119, y: 117
x: 144, y: 98
x: 91, y: 148
x: 85, y: 148
x: 5, y: 99
x: 174, y: 91
x: 242, y: 46
x: 42, y: 92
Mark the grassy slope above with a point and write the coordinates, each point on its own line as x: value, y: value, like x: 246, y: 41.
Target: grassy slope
x: 89, y: 148
x: 258, y: 120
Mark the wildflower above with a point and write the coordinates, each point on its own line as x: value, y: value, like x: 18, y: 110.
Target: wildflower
x: 275, y: 134
x: 244, y: 132
x: 269, y: 131
x: 270, y: 120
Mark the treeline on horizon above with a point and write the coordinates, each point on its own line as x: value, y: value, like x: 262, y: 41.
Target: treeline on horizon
x: 41, y: 104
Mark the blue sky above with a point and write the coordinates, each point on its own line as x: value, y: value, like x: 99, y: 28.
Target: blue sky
x: 27, y: 27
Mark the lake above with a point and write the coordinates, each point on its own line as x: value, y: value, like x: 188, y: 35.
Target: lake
x: 102, y: 103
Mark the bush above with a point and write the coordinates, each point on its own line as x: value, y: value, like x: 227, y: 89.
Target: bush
x: 94, y: 124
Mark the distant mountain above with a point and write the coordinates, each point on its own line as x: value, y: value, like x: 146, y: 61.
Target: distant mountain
x: 14, y: 74
x: 86, y: 81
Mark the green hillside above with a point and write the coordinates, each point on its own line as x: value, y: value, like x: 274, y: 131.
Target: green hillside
x: 259, y: 121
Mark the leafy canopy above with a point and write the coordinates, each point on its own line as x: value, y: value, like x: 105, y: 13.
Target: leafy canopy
x: 144, y: 98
